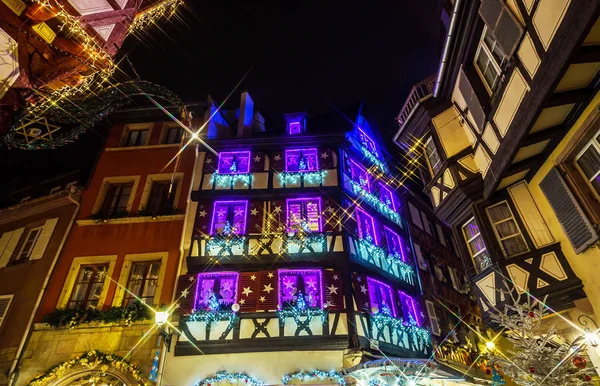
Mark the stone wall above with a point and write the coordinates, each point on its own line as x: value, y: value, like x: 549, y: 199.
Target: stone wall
x: 50, y: 346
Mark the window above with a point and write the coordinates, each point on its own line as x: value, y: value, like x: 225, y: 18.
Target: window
x: 359, y: 175
x: 295, y: 127
x: 394, y: 244
x: 301, y: 160
x: 29, y: 242
x: 428, y: 225
x: 137, y: 137
x: 367, y: 142
x: 387, y: 197
x: 162, y: 196
x: 88, y: 286
x: 489, y: 59
x: 117, y: 198
x: 588, y: 161
x: 476, y: 246
x: 173, y: 134
x: 234, y: 162
x: 381, y: 297
x: 223, y: 285
x: 5, y: 301
x: 366, y: 226
x: 229, y: 217
x: 506, y: 229
x: 415, y: 215
x: 304, y: 212
x: 307, y: 282
x: 409, y: 309
x: 433, y: 158
x: 142, y: 283
x: 434, y: 321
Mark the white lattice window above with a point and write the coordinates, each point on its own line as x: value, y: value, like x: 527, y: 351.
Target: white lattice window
x: 433, y: 158
x: 489, y: 59
x: 507, y: 230
x: 588, y: 161
x: 476, y: 245
x: 5, y: 301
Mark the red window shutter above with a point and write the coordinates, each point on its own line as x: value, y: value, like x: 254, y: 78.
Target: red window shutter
x: 267, y: 294
x: 203, y: 216
x: 247, y: 291
x: 211, y: 162
x: 361, y: 292
x: 333, y: 290
x: 326, y: 158
x: 278, y: 161
x: 278, y: 216
x: 255, y: 216
x: 186, y: 299
x: 257, y: 161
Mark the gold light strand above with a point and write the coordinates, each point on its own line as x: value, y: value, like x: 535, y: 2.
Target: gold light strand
x: 165, y: 9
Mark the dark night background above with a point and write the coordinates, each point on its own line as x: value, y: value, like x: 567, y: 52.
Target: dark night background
x: 302, y: 56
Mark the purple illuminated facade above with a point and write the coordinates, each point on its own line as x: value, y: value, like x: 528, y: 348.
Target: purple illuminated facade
x: 366, y: 226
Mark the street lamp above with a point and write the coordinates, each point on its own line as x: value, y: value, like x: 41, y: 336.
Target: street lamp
x: 161, y: 317
x: 590, y: 336
x: 490, y: 345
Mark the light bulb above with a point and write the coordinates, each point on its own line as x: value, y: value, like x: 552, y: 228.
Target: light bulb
x: 490, y: 345
x: 411, y: 383
x: 160, y: 317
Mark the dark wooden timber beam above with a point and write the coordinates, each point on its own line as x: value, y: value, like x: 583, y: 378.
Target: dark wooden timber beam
x: 543, y: 135
x: 587, y: 54
x: 521, y: 166
x: 567, y: 97
x: 109, y: 17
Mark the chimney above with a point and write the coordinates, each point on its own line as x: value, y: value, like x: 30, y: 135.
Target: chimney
x: 246, y: 116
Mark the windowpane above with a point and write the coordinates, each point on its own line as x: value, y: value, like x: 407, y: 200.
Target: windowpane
x: 294, y: 128
x: 489, y: 59
x: 367, y: 142
x: 494, y: 47
x: 161, y: 197
x: 394, y: 244
x: 88, y: 286
x: 387, y: 197
x: 301, y: 160
x: 432, y: 155
x: 137, y: 137
x: 174, y: 135
x: 222, y: 284
x: 476, y: 245
x: 117, y: 198
x: 229, y: 217
x: 304, y: 212
x: 305, y: 281
x: 29, y: 243
x: 409, y: 309
x: 506, y: 229
x: 381, y: 297
x: 360, y: 175
x: 366, y: 226
x: 589, y: 162
x: 143, y: 280
x: 234, y: 162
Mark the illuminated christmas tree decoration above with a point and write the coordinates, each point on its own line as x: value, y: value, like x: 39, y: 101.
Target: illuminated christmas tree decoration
x: 312, y: 375
x: 233, y: 378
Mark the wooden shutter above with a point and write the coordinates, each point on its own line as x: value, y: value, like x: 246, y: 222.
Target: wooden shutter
x: 211, y: 163
x: 10, y: 243
x: 326, y: 158
x: 500, y: 20
x: 454, y: 279
x: 420, y: 258
x: 573, y: 220
x: 329, y: 216
x: 333, y: 290
x: 361, y: 293
x: 415, y: 215
x: 5, y: 301
x: 203, y: 217
x: 257, y: 161
x: 186, y: 302
x: 267, y: 294
x: 277, y: 161
x: 43, y: 239
x: 247, y: 291
x: 256, y: 212
x: 433, y: 319
x: 278, y: 216
x: 468, y: 93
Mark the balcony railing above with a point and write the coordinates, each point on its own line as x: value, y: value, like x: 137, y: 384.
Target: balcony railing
x: 419, y: 91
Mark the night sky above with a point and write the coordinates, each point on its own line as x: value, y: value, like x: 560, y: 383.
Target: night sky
x: 299, y: 55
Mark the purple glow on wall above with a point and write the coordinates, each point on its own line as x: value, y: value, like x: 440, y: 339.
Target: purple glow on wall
x: 223, y: 284
x: 410, y: 308
x: 292, y: 280
x: 228, y: 158
x: 233, y: 212
x: 360, y: 175
x: 387, y: 197
x: 394, y: 243
x: 381, y: 294
x: 367, y: 142
x: 308, y: 208
x: 366, y: 226
x: 294, y: 128
x: 301, y: 160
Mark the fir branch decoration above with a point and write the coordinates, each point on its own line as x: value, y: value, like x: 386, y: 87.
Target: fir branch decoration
x: 71, y: 318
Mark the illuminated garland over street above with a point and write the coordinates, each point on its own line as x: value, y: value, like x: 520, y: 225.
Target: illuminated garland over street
x: 225, y: 180
x: 371, y: 157
x: 315, y: 374
x: 92, y: 360
x: 232, y: 378
x: 307, y: 177
x: 376, y: 203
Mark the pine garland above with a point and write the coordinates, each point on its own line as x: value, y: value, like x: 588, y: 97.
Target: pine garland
x: 231, y: 378
x: 305, y: 376
x: 71, y: 318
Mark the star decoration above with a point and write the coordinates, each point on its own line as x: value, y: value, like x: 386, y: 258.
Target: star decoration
x: 262, y: 299
x: 177, y: 306
x: 335, y: 277
x: 367, y: 304
x: 311, y: 283
x: 254, y: 212
x: 242, y: 301
x: 288, y: 284
x: 203, y: 226
x: 270, y: 275
x: 324, y: 155
x: 192, y: 278
x: 257, y: 159
x: 253, y: 277
x: 238, y: 212
x: 327, y: 304
x: 247, y: 291
x: 332, y: 289
x: 277, y: 209
x: 363, y: 289
x: 268, y: 288
x: 208, y: 161
x: 202, y: 213
x: 277, y: 157
x: 358, y: 279
x: 422, y: 315
x: 185, y: 293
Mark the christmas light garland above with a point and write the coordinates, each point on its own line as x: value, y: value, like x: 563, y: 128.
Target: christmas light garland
x: 381, y: 320
x: 376, y: 202
x: 145, y: 18
x: 301, y: 310
x: 225, y: 243
x: 232, y: 378
x: 213, y: 313
x: 373, y: 158
x: 92, y: 360
x: 225, y: 180
x: 315, y: 374
x: 307, y: 177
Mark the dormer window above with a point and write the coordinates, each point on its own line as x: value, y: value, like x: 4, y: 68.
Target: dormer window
x: 295, y: 127
x: 367, y: 142
x: 234, y: 162
x: 301, y: 160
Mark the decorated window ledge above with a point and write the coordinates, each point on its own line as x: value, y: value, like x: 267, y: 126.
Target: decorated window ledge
x: 302, y: 164
x: 312, y: 178
x: 234, y: 167
x: 373, y: 159
x: 227, y: 180
x: 301, y: 295
x: 376, y: 203
x: 306, y: 376
x: 215, y: 298
x: 381, y: 321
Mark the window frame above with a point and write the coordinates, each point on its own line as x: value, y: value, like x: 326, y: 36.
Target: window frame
x: 234, y: 153
x: 519, y: 231
x: 302, y: 155
x: 593, y: 142
x: 25, y: 238
x: 482, y: 45
x: 367, y: 142
x: 217, y: 275
x: 127, y: 296
x: 433, y: 169
x: 283, y: 273
x: 356, y: 178
x: 84, y: 303
x: 230, y: 203
x: 468, y: 242
x: 69, y: 282
x: 412, y: 307
x: 295, y: 127
x: 371, y: 282
x: 304, y: 201
x: 165, y: 202
x: 129, y: 129
x: 107, y: 209
x: 392, y: 197
x: 360, y: 212
x: 387, y: 230
x: 10, y: 298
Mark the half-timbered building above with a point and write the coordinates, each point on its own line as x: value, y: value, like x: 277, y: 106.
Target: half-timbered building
x: 300, y: 264
x: 490, y: 130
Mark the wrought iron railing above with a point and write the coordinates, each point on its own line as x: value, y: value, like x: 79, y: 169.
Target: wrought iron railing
x: 419, y: 91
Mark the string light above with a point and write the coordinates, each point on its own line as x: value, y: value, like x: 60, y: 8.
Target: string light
x: 308, y: 177
x: 312, y: 375
x: 373, y: 159
x: 301, y: 310
x: 165, y: 9
x: 226, y: 180
x: 223, y: 376
x: 376, y: 202
x: 382, y: 320
x: 213, y: 313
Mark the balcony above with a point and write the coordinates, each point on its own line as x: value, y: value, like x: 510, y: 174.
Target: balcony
x: 262, y: 331
x: 420, y: 91
x: 544, y: 272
